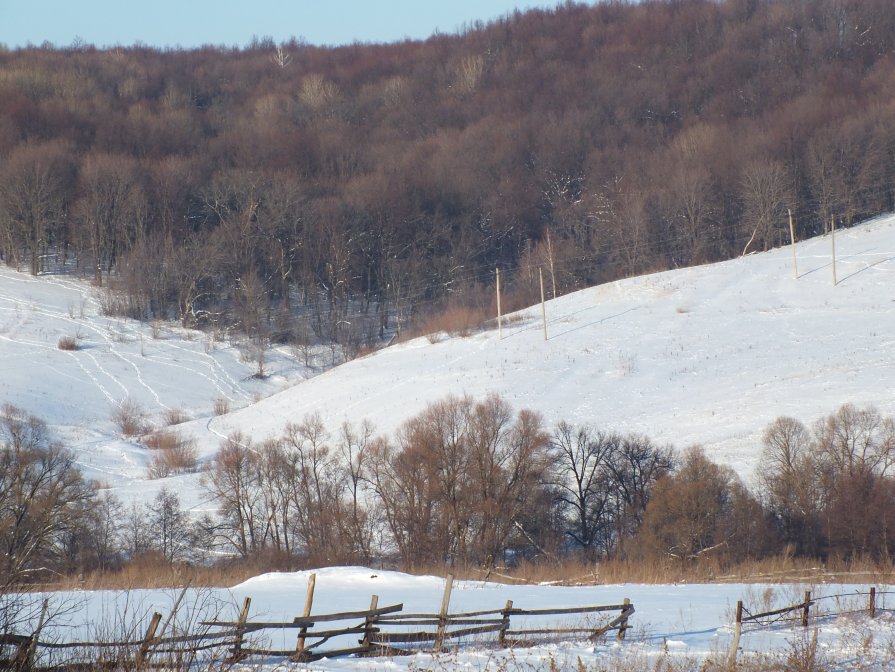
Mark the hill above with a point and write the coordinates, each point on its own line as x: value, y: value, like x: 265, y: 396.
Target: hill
x: 707, y: 355
x: 351, y: 190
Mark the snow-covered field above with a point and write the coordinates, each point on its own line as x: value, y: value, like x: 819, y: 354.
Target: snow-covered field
x: 686, y: 623
x: 705, y: 355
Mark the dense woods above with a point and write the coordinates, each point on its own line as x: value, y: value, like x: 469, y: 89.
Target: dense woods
x: 464, y: 484
x: 335, y: 194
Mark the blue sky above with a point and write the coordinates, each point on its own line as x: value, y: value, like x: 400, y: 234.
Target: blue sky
x: 190, y: 23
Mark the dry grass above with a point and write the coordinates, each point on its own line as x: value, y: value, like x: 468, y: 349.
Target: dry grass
x: 68, y: 343
x: 455, y: 320
x: 174, y: 416
x: 130, y: 418
x: 153, y: 571
x: 769, y: 570
x: 174, y: 454
x: 221, y: 406
x: 144, y: 573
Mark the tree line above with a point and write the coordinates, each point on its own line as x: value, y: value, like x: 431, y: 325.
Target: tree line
x: 298, y: 192
x: 465, y: 483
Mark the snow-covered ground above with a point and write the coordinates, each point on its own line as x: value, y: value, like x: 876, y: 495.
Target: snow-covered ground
x: 706, y: 355
x: 687, y: 623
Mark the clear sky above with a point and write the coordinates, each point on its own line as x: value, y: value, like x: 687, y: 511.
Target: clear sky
x: 190, y: 23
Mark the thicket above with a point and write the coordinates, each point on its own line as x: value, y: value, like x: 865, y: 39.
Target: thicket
x: 302, y: 193
x: 467, y: 484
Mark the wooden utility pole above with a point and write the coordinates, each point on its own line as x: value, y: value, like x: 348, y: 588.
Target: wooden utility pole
x: 550, y: 259
x: 833, y: 244
x: 792, y: 244
x: 543, y: 308
x: 499, y: 316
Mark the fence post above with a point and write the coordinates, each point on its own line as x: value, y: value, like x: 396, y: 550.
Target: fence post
x: 143, y: 651
x: 873, y: 602
x: 369, y: 622
x: 623, y: 624
x: 442, y: 615
x: 309, y: 602
x: 24, y: 659
x: 502, y: 633
x: 737, y: 629
x: 237, y: 654
x: 805, y: 608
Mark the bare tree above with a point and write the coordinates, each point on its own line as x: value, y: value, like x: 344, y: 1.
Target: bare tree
x: 766, y: 195
x: 585, y: 484
x: 35, y: 194
x: 42, y: 496
x: 232, y: 480
x: 790, y: 482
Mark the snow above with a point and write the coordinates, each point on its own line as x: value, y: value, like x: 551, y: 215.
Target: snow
x: 687, y: 623
x: 707, y: 355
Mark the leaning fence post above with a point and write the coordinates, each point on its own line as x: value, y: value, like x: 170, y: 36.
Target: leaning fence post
x: 737, y: 629
x: 369, y: 622
x: 805, y: 608
x: 237, y: 654
x: 442, y: 615
x: 309, y: 601
x: 502, y: 633
x: 872, y: 601
x: 623, y: 624
x: 28, y: 648
x: 143, y: 651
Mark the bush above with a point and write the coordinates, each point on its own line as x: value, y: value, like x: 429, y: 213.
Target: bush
x: 174, y: 454
x: 221, y: 406
x: 175, y: 416
x: 68, y: 343
x: 455, y: 320
x: 129, y: 417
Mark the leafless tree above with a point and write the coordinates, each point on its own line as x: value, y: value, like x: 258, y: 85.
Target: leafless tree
x: 42, y: 496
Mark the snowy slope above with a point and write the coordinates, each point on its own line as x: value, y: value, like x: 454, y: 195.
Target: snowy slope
x: 159, y: 367
x: 705, y: 355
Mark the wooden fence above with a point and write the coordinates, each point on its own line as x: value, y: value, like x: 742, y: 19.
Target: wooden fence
x: 800, y: 613
x: 375, y: 631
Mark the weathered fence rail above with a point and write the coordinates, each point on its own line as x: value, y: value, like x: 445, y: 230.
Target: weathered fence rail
x: 371, y: 632
x: 802, y: 610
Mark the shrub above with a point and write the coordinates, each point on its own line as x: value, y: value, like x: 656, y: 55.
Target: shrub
x: 175, y: 416
x: 174, y: 454
x: 129, y: 417
x: 68, y: 343
x: 221, y: 406
x: 456, y: 320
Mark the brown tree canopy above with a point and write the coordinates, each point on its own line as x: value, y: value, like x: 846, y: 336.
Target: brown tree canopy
x: 377, y: 180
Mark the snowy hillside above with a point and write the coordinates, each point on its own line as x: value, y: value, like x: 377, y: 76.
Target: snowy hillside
x: 704, y: 355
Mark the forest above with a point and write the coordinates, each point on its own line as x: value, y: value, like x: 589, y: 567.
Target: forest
x: 346, y: 195
x: 466, y: 484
